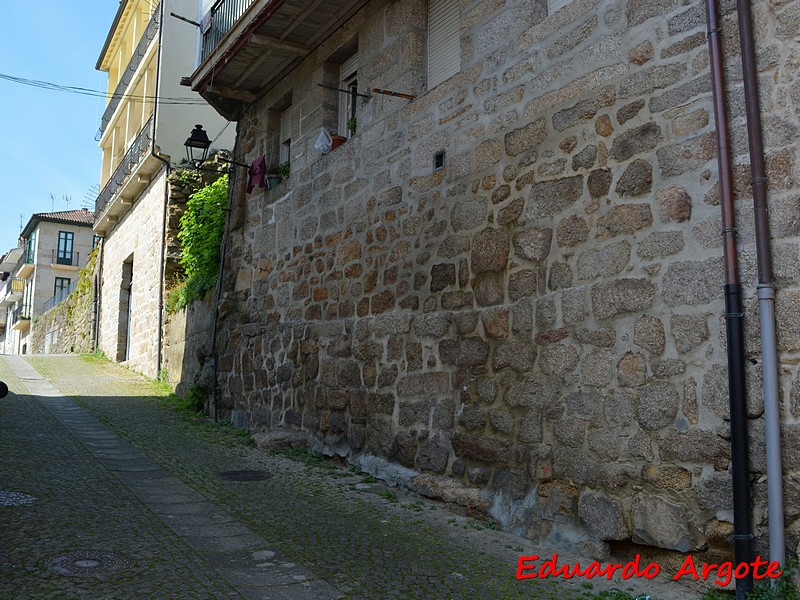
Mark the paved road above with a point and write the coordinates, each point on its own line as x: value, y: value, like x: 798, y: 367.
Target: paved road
x: 106, y: 491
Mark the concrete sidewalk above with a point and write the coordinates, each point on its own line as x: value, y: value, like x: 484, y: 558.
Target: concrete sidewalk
x: 129, y: 504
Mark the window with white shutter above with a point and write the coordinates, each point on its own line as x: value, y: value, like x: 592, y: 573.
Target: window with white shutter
x: 554, y: 5
x: 444, y: 41
x: 286, y: 135
x: 348, y: 80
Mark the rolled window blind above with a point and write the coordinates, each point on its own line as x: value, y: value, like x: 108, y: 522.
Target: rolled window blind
x: 444, y: 41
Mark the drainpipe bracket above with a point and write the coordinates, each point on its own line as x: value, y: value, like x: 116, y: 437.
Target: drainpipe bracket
x: 766, y: 291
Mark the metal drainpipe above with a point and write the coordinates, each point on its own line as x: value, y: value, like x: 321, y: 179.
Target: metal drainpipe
x: 766, y: 289
x: 98, y: 296
x: 218, y: 292
x: 734, y: 318
x: 168, y: 166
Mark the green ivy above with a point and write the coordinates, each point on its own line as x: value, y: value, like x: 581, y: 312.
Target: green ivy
x: 201, y: 229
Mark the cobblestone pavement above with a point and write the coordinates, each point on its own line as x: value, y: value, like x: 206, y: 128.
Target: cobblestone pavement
x: 114, y: 468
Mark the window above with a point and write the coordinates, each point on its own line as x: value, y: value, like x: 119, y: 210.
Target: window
x: 61, y: 286
x: 65, y: 241
x: 444, y: 42
x: 348, y: 80
x: 27, y: 299
x: 554, y: 5
x: 285, y: 148
x: 30, y: 248
x: 95, y: 240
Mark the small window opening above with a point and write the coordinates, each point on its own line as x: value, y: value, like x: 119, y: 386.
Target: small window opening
x: 438, y: 161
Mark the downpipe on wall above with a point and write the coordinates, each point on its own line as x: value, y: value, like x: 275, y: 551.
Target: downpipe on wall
x: 766, y: 289
x: 743, y: 539
x: 98, y: 296
x: 167, y: 166
x: 218, y: 292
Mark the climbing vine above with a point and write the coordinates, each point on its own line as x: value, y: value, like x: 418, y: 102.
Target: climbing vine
x: 201, y: 228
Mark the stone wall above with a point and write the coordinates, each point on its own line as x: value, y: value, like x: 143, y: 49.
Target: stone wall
x: 187, y: 345
x: 541, y: 320
x: 186, y: 342
x: 69, y: 326
x: 135, y: 241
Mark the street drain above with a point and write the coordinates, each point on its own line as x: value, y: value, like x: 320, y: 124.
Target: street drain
x: 244, y: 475
x: 89, y: 563
x: 15, y: 499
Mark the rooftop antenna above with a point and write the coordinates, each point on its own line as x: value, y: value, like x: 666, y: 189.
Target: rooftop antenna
x: 67, y: 198
x: 91, y: 196
x: 20, y: 222
x: 52, y: 203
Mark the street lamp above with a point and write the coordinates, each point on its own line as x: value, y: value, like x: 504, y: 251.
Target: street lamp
x: 197, y: 145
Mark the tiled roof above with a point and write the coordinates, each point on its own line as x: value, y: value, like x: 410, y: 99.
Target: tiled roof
x: 76, y: 216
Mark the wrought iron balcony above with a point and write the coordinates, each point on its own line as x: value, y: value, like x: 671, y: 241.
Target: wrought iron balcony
x: 68, y: 259
x: 28, y: 255
x: 20, y: 317
x: 140, y: 146
x: 150, y: 33
x: 219, y: 21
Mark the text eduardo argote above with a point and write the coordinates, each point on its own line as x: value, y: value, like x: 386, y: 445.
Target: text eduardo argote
x: 529, y: 567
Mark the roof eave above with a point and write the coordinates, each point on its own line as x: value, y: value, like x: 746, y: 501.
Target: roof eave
x: 110, y: 36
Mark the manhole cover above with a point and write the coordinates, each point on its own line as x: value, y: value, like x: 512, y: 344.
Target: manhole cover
x: 89, y: 563
x: 245, y: 475
x: 15, y: 499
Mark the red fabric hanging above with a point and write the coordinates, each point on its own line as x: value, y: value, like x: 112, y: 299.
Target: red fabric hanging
x: 257, y: 174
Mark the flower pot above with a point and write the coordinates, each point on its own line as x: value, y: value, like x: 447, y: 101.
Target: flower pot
x: 272, y: 181
x: 337, y: 140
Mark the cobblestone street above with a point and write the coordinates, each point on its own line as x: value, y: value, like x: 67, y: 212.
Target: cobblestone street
x: 107, y: 491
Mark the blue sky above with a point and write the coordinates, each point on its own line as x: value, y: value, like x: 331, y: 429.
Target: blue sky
x: 47, y: 143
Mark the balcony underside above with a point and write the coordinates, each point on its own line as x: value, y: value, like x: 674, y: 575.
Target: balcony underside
x: 264, y: 44
x: 10, y: 298
x: 126, y: 195
x: 21, y: 324
x: 25, y: 270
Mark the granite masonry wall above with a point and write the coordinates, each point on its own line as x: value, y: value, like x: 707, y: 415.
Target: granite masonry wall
x: 69, y: 326
x: 187, y: 344
x: 536, y: 330
x: 131, y: 273
x: 186, y: 339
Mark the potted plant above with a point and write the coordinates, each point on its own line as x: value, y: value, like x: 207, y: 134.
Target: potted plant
x: 273, y: 176
x: 337, y: 140
x: 284, y: 169
x: 352, y: 123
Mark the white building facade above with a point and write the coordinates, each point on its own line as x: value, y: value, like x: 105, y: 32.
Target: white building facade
x: 148, y: 117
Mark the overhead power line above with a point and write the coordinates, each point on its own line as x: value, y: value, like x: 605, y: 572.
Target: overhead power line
x: 46, y: 85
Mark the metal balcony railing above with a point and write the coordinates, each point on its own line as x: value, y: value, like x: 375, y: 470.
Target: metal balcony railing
x: 60, y: 296
x: 70, y: 259
x: 216, y: 25
x: 21, y: 313
x: 150, y: 33
x: 138, y: 149
x: 28, y: 254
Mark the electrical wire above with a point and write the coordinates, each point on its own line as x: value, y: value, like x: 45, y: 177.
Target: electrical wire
x: 46, y: 85
x: 216, y: 137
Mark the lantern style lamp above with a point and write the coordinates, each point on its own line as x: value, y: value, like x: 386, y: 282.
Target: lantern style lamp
x: 197, y: 145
